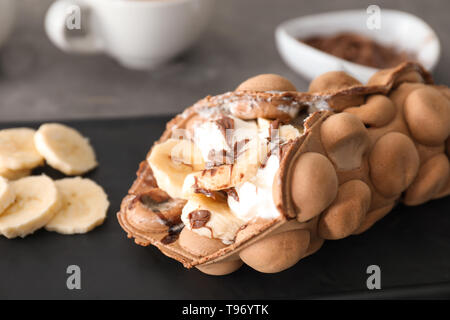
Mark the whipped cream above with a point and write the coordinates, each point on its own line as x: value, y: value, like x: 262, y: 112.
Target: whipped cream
x: 212, y: 135
x: 255, y: 195
x: 319, y: 104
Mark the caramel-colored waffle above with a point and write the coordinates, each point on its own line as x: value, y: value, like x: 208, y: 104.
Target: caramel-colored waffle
x: 377, y: 144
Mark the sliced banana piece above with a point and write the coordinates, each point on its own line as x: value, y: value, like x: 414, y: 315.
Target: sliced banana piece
x: 7, y: 195
x: 84, y: 205
x: 171, y: 161
x: 65, y: 149
x: 289, y: 132
x: 210, y: 218
x: 37, y: 201
x: 228, y: 175
x: 14, y: 174
x: 286, y: 131
x: 17, y: 149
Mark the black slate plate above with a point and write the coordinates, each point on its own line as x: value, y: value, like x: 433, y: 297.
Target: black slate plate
x: 411, y: 245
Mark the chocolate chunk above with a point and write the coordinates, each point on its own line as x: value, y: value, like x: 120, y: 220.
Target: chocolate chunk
x: 170, y: 238
x: 199, y: 218
x: 231, y: 192
x: 225, y: 123
x: 173, y: 233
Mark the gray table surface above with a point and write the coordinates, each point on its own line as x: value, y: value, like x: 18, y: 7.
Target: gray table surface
x: 39, y: 82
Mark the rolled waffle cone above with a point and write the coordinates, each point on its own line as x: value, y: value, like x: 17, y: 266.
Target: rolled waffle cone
x: 363, y: 149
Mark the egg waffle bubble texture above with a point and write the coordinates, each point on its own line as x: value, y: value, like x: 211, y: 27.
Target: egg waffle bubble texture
x: 372, y: 147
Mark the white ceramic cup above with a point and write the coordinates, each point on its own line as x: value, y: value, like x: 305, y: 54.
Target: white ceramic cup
x: 7, y: 14
x: 139, y: 34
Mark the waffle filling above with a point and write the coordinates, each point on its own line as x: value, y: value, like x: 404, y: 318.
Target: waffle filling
x: 228, y: 180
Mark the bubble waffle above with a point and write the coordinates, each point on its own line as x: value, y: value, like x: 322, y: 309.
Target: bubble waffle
x: 353, y: 151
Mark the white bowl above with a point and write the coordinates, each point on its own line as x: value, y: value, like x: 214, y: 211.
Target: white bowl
x: 399, y: 29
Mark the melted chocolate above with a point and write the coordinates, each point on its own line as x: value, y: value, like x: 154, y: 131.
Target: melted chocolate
x: 221, y: 157
x: 275, y: 124
x: 225, y: 123
x: 215, y: 195
x: 170, y: 238
x: 360, y: 49
x: 264, y: 161
x: 158, y: 206
x: 173, y: 234
x: 199, y: 218
x: 231, y: 192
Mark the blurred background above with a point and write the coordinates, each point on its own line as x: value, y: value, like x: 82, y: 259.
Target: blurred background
x: 40, y: 82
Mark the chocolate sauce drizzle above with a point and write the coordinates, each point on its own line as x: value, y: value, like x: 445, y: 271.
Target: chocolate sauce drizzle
x: 221, y: 157
x: 151, y: 201
x: 231, y: 192
x: 225, y: 123
x: 273, y: 141
x: 215, y: 195
x: 173, y: 233
x: 199, y: 218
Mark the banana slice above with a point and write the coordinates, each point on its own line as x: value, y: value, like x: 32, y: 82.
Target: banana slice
x: 210, y: 218
x: 65, y: 149
x: 171, y: 161
x: 84, y: 205
x: 14, y: 174
x: 228, y: 175
x: 264, y: 126
x: 289, y: 132
x: 7, y: 195
x: 286, y: 132
x: 17, y: 149
x: 37, y: 201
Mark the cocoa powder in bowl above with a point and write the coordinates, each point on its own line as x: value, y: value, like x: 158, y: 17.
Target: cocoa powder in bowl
x: 359, y: 49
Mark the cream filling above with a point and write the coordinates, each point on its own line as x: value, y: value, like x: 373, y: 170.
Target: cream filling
x: 255, y: 198
x: 255, y: 201
x: 255, y: 195
x: 208, y: 136
x: 320, y: 104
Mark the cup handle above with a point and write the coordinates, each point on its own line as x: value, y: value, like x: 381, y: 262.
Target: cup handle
x: 57, y: 24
